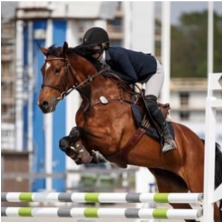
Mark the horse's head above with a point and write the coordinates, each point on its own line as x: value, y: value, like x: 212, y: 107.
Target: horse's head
x: 57, y: 77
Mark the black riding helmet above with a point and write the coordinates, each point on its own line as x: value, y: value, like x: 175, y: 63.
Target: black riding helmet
x: 95, y: 36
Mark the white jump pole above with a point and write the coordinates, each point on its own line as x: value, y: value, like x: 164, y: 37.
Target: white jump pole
x: 102, y: 213
x: 212, y: 104
x: 104, y: 197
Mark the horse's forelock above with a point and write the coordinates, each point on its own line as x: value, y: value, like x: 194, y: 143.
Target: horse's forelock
x: 53, y: 50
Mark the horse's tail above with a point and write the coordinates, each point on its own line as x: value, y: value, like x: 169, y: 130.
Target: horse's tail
x: 218, y: 166
x: 218, y: 171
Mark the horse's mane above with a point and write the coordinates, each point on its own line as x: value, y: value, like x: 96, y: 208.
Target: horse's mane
x: 77, y: 50
x: 119, y: 82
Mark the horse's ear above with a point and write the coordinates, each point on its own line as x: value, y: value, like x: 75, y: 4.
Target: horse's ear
x: 64, y: 49
x: 43, y: 50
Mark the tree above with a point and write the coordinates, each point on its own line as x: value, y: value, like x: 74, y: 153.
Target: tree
x: 189, y: 45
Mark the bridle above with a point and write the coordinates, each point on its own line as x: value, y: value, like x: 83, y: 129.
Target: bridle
x: 76, y: 86
x: 62, y: 93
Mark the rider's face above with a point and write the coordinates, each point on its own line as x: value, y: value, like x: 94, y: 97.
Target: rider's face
x: 97, y: 55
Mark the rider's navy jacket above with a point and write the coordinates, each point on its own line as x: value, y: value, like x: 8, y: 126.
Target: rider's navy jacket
x: 130, y: 65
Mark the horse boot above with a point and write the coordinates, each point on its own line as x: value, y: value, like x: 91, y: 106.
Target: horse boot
x: 160, y: 123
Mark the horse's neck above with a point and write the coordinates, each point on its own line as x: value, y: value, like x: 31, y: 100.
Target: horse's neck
x: 99, y: 85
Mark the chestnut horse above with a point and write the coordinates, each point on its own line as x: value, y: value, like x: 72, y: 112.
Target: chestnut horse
x: 105, y: 124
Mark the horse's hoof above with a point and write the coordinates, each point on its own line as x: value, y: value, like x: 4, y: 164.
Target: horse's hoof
x: 64, y: 144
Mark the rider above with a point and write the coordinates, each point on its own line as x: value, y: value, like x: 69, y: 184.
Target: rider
x: 132, y: 67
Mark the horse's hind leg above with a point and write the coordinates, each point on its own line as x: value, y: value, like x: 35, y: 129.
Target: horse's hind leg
x: 168, y: 182
x: 217, y: 214
x: 196, y: 186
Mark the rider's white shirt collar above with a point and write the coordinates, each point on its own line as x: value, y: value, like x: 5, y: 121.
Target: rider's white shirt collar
x: 103, y: 59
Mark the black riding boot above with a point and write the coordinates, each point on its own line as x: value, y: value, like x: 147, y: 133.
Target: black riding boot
x: 157, y: 116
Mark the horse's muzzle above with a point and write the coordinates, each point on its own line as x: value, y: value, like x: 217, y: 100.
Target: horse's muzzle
x: 47, y: 107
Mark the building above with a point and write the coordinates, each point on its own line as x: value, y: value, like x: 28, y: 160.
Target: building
x: 8, y: 76
x: 188, y: 97
x: 8, y: 71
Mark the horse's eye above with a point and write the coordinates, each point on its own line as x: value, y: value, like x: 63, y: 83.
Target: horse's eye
x: 57, y: 70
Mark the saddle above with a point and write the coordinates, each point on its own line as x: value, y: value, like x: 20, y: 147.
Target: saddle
x: 139, y: 115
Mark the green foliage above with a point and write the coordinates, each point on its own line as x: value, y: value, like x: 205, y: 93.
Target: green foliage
x: 189, y: 45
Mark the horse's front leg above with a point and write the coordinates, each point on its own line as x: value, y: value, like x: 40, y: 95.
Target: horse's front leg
x: 73, y: 147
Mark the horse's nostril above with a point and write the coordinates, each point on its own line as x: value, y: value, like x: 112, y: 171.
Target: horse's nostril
x: 45, y: 104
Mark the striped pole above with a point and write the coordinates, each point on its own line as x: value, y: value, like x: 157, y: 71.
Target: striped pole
x: 104, y: 197
x: 102, y: 213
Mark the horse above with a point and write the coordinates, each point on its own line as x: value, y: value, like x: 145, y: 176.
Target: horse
x: 105, y: 124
